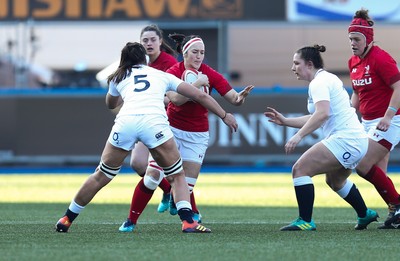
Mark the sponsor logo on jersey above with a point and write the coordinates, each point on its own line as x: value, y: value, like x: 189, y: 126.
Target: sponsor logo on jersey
x: 366, y: 73
x: 362, y: 82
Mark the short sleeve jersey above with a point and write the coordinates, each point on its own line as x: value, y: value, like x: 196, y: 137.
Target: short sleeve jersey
x: 143, y: 91
x: 342, y: 117
x: 192, y: 116
x: 163, y: 62
x: 371, y: 77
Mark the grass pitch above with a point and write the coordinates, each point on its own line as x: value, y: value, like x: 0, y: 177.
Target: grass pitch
x: 244, y: 211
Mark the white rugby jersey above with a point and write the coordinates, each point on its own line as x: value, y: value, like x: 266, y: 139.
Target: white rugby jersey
x: 342, y: 116
x: 143, y: 91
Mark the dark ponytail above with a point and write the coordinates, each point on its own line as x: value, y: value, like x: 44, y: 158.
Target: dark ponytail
x: 180, y: 40
x: 132, y: 55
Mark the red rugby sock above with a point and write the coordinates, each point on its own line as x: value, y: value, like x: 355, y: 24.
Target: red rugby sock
x: 193, y: 203
x: 383, y: 185
x: 140, y: 198
x: 165, y: 186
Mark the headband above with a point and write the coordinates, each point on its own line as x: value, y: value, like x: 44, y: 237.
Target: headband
x: 190, y: 43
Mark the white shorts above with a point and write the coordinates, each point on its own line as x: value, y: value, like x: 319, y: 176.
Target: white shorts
x: 151, y: 130
x: 389, y: 138
x: 191, y: 145
x: 348, y: 151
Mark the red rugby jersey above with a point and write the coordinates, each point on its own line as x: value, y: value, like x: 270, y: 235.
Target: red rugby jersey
x: 371, y: 77
x: 164, y: 61
x: 192, y: 116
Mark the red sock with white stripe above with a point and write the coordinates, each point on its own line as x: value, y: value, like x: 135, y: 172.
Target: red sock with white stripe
x: 140, y: 199
x: 191, y: 183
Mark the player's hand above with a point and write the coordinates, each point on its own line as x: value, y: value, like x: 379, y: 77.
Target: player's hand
x: 292, y: 143
x: 275, y: 116
x: 383, y: 124
x: 244, y: 93
x: 202, y: 80
x: 230, y: 121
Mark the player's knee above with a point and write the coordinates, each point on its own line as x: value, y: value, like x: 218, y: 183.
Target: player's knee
x: 297, y: 170
x: 109, y: 172
x: 362, y: 170
x: 335, y: 183
x: 153, y: 176
x: 336, y: 186
x: 150, y: 182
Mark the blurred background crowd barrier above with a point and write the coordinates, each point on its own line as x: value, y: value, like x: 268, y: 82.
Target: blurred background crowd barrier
x: 52, y: 105
x: 70, y: 128
x: 64, y: 127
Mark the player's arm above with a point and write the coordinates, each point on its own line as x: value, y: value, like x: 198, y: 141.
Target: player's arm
x: 278, y: 118
x: 392, y: 109
x: 395, y: 99
x: 177, y: 98
x: 320, y: 115
x: 113, y: 99
x: 208, y: 102
x: 166, y: 101
x: 236, y: 98
x: 114, y: 103
x: 316, y: 120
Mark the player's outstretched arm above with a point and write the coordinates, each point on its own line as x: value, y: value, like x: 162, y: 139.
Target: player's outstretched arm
x: 209, y: 102
x: 236, y: 98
